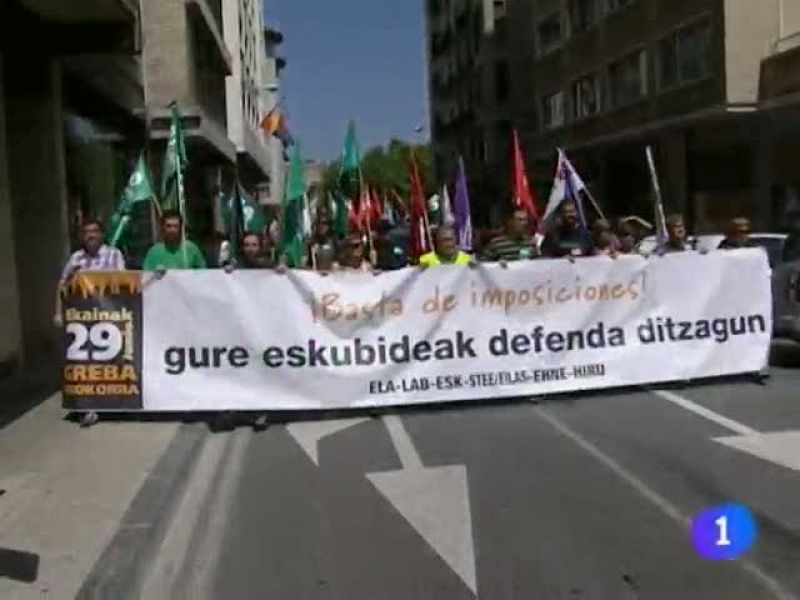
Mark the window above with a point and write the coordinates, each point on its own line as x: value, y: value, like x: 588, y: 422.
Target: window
x: 499, y: 9
x: 628, y: 79
x: 610, y: 6
x: 501, y: 82
x: 552, y: 111
x: 587, y: 96
x: 583, y: 14
x: 548, y: 33
x: 685, y: 56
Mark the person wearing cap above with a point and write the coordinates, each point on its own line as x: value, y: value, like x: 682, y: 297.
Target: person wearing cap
x: 445, y: 251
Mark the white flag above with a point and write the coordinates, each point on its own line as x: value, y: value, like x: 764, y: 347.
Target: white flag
x: 447, y: 208
x: 567, y: 184
x: 306, y: 217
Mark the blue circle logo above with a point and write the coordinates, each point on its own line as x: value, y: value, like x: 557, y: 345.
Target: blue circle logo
x: 723, y: 532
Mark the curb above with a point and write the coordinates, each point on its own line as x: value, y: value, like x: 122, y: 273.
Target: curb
x: 120, y: 570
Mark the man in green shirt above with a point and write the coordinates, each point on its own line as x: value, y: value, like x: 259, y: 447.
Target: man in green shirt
x: 173, y: 252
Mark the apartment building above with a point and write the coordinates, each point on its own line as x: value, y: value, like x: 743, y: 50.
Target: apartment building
x: 245, y: 87
x: 84, y: 86
x: 703, y: 81
x: 185, y: 59
x: 69, y: 92
x: 469, y: 91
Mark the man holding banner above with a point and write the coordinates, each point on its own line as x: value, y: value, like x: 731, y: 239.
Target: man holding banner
x: 445, y: 251
x: 94, y: 255
x: 173, y: 252
x: 676, y: 235
x: 516, y: 243
x: 567, y: 237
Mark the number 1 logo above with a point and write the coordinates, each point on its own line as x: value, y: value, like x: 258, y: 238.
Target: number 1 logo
x: 723, y: 532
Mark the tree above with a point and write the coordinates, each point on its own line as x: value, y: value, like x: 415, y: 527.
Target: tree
x: 387, y: 167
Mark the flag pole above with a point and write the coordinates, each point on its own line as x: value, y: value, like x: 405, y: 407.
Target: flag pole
x: 181, y: 206
x: 427, y: 228
x: 659, y: 207
x: 155, y: 207
x: 594, y: 202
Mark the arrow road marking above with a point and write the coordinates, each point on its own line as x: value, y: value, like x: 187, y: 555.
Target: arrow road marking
x: 434, y: 501
x: 704, y: 412
x: 309, y: 434
x: 409, y: 457
x: 780, y: 447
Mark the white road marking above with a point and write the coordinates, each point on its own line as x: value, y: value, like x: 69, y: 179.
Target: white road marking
x: 309, y: 433
x: 434, y: 501
x: 706, y: 413
x: 409, y: 457
x: 664, y: 505
x: 779, y: 447
x: 184, y: 567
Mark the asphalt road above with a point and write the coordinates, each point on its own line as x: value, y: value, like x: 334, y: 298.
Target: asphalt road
x: 572, y: 497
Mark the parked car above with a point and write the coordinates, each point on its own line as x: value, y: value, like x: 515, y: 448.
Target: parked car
x: 773, y: 243
x: 701, y: 242
x: 786, y: 292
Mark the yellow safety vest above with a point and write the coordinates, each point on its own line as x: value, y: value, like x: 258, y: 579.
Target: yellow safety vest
x: 431, y: 259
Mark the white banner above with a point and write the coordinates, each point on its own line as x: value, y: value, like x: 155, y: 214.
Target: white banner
x: 260, y: 340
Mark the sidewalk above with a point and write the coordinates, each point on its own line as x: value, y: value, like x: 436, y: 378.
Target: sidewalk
x: 24, y: 390
x: 66, y: 489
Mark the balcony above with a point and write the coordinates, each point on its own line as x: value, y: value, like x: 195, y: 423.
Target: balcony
x: 74, y: 11
x: 73, y: 26
x: 780, y: 75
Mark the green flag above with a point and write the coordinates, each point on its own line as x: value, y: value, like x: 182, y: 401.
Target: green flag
x: 292, y: 243
x: 174, y: 166
x: 349, y: 181
x: 241, y: 214
x: 139, y: 189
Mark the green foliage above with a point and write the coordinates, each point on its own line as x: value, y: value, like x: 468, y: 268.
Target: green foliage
x: 386, y: 167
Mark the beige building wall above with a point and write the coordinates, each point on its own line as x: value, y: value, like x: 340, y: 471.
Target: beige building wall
x: 10, y: 334
x: 244, y: 87
x: 750, y: 35
x: 165, y: 53
x: 790, y: 18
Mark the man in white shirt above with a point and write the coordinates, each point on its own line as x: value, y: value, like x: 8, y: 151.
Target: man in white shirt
x: 94, y: 255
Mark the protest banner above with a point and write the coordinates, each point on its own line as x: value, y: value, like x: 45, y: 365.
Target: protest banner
x: 260, y: 340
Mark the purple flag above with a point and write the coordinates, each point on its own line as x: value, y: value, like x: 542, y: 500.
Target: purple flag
x: 461, y: 209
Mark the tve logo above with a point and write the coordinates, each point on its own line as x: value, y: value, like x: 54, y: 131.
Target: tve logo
x: 723, y: 532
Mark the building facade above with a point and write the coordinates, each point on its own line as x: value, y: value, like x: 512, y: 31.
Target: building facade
x: 705, y: 82
x: 245, y: 86
x: 67, y: 122
x: 89, y: 91
x: 469, y: 92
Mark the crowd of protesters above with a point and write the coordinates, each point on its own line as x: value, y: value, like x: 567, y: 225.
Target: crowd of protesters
x: 388, y: 246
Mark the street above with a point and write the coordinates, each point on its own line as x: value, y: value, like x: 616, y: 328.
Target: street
x: 572, y: 497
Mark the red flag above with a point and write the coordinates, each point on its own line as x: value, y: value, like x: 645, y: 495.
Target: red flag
x: 420, y: 235
x: 523, y: 196
x: 355, y: 218
x: 377, y: 208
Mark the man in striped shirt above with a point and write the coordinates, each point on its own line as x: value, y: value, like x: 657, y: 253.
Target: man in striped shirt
x: 515, y: 244
x: 94, y: 255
